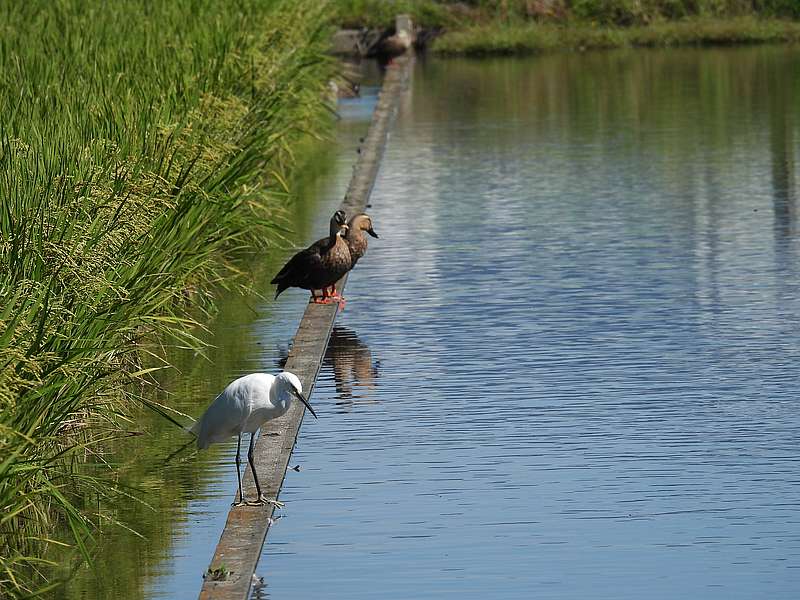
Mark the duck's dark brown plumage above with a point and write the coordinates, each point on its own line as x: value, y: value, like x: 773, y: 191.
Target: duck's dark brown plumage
x: 320, y: 265
x: 356, y: 238
x: 393, y: 45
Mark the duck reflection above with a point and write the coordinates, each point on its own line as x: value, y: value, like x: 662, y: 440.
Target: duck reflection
x: 355, y: 373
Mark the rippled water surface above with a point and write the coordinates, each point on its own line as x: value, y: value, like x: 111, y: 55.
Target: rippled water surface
x: 569, y: 367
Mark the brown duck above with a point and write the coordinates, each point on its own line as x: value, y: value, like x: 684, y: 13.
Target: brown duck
x: 355, y: 238
x: 319, y: 266
x: 394, y: 45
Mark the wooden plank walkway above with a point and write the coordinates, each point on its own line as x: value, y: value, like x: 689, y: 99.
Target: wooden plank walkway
x: 242, y: 540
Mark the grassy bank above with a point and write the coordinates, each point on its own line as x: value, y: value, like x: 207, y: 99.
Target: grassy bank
x: 481, y: 27
x: 142, y: 145
x: 522, y: 38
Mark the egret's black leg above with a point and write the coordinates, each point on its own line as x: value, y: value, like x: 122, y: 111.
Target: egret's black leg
x: 252, y: 464
x: 261, y: 499
x: 239, y: 470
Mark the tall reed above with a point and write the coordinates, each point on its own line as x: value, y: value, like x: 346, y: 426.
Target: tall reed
x: 142, y: 143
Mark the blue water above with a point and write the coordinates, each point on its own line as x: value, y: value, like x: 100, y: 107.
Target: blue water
x: 568, y: 367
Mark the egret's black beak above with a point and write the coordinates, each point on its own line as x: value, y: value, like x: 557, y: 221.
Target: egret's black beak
x: 299, y: 396
x: 371, y: 231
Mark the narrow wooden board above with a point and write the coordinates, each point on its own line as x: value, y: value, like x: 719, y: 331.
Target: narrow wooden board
x: 242, y: 540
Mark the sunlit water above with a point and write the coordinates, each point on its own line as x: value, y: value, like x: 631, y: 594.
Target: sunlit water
x: 567, y: 369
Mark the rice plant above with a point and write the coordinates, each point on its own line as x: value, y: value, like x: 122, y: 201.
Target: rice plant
x: 142, y: 144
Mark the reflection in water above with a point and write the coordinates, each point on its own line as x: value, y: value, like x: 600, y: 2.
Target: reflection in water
x: 349, y: 361
x: 259, y: 589
x: 354, y: 371
x: 782, y: 146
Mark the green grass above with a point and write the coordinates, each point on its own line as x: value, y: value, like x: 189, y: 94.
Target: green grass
x: 460, y: 14
x: 525, y: 38
x: 380, y: 13
x: 143, y: 144
x: 482, y: 27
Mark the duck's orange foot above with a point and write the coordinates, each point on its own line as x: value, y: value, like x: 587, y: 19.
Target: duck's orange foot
x: 342, y: 302
x: 321, y: 300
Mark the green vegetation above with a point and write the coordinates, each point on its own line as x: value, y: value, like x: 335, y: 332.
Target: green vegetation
x: 519, y: 26
x: 219, y: 574
x: 379, y: 13
x: 532, y: 37
x: 142, y: 146
x: 127, y: 558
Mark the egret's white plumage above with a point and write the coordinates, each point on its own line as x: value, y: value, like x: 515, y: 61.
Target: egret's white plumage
x: 243, y: 407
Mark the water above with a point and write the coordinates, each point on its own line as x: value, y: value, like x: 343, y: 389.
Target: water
x: 572, y: 368
x: 566, y: 369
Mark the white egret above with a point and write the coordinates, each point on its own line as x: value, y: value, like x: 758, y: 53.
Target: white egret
x: 243, y: 407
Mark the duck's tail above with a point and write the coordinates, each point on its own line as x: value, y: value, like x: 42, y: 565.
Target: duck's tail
x: 282, y: 285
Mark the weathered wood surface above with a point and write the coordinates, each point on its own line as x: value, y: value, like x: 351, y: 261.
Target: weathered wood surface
x: 242, y: 540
